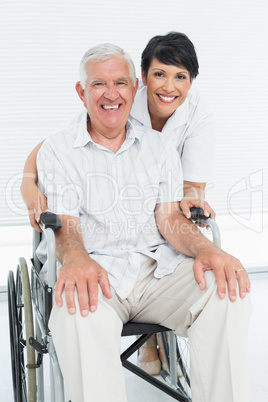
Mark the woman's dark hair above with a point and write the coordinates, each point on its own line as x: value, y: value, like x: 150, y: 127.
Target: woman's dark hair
x: 174, y: 48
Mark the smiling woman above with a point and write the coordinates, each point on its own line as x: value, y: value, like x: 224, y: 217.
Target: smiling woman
x: 165, y: 103
x: 167, y: 89
x: 169, y: 65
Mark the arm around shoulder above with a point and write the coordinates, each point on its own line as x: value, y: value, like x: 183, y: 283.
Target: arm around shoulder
x: 33, y: 198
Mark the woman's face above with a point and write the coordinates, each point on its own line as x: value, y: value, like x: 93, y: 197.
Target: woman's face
x: 167, y: 88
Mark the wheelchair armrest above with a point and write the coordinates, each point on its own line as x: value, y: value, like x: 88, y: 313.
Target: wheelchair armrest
x: 50, y: 220
x: 198, y: 213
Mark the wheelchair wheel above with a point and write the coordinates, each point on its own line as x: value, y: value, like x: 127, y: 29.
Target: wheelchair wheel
x: 183, y: 356
x: 183, y: 359
x: 21, y: 328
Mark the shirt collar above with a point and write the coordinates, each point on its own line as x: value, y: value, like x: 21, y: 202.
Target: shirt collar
x: 133, y: 136
x: 140, y: 111
x: 83, y: 137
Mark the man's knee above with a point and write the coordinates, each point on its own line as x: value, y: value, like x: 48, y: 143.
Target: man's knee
x: 104, y: 317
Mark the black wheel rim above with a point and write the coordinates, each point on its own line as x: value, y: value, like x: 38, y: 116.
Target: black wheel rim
x: 17, y: 341
x: 22, y: 340
x: 12, y: 310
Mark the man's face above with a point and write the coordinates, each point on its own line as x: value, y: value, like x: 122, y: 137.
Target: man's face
x: 108, y: 96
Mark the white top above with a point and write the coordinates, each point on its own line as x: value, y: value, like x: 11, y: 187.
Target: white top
x: 191, y: 128
x: 114, y: 195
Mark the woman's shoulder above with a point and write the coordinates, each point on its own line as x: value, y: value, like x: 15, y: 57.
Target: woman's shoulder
x: 198, y: 102
x: 153, y: 140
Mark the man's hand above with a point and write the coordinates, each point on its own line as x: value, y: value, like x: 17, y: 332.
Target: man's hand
x: 185, y: 237
x: 78, y: 269
x: 81, y: 272
x: 226, y: 269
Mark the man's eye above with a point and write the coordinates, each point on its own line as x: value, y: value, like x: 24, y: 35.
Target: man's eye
x: 121, y: 83
x: 98, y: 84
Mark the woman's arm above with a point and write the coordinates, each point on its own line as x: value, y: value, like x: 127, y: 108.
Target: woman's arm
x: 197, y: 154
x: 34, y: 199
x: 30, y: 168
x: 194, y: 196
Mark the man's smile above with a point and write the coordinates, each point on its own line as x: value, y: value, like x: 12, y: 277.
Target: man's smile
x: 110, y: 107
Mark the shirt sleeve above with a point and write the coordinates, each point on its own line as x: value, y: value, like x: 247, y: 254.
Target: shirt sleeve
x: 54, y: 181
x: 198, y: 151
x: 171, y: 181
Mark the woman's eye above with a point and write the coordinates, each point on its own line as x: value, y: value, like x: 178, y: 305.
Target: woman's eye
x: 158, y: 74
x: 181, y: 77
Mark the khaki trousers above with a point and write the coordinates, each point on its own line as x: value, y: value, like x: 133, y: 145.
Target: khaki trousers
x: 88, y: 348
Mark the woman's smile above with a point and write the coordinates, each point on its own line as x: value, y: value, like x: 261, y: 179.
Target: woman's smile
x: 166, y: 98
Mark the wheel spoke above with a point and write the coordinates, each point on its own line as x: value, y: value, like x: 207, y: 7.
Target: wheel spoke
x: 184, y: 362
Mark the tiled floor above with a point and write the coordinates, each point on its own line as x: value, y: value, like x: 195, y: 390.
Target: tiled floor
x: 137, y: 389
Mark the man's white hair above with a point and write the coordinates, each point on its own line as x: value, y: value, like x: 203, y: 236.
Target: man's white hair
x: 101, y: 53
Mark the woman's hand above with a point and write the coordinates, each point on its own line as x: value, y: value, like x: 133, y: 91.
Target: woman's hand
x: 188, y: 202
x: 194, y: 194
x: 35, y: 201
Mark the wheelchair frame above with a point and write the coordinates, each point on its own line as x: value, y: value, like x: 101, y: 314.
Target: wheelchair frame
x: 28, y: 380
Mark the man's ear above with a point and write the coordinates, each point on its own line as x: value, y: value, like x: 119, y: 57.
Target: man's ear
x: 144, y: 78
x: 80, y: 92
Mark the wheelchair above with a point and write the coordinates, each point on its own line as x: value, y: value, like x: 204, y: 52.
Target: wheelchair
x: 29, y: 307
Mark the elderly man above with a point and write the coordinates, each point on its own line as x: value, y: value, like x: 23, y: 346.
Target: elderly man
x: 124, y: 248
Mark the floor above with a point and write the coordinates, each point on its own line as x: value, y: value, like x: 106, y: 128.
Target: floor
x: 137, y: 389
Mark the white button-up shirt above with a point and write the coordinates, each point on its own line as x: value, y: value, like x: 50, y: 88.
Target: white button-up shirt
x: 191, y: 128
x: 114, y: 195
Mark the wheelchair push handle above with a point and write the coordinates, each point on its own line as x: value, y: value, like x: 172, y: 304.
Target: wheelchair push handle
x: 50, y: 220
x: 197, y: 214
